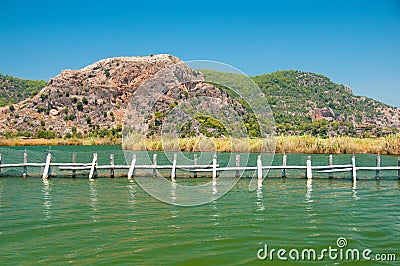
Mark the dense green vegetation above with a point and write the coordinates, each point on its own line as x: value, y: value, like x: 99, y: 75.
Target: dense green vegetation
x: 294, y: 95
x: 13, y: 90
x: 94, y: 132
x: 210, y: 128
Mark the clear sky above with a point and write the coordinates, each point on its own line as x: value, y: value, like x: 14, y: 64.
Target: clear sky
x: 352, y: 42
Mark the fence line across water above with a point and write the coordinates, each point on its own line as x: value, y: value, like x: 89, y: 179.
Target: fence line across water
x: 212, y: 169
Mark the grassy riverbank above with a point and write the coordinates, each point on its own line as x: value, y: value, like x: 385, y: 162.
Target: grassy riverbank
x: 287, y: 144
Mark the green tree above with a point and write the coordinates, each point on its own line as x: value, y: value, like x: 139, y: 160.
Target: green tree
x: 79, y: 106
x: 85, y: 101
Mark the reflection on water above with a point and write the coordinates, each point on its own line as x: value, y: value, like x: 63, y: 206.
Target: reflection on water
x: 131, y: 204
x: 93, y: 200
x: 259, y: 201
x: 47, y: 199
x: 131, y: 194
x: 214, y: 186
x: 1, y: 193
x: 173, y: 191
x: 354, y: 190
x: 311, y: 214
x: 214, y: 213
x: 174, y: 210
x: 378, y: 184
x: 174, y: 224
x: 309, y: 191
x: 134, y: 228
x: 175, y: 214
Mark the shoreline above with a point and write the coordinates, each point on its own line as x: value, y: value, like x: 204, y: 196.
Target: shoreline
x: 389, y: 145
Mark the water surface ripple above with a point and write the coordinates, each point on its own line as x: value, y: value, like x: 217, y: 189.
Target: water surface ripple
x: 113, y: 221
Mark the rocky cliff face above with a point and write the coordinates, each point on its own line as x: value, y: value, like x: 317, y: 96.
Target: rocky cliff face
x: 85, y: 100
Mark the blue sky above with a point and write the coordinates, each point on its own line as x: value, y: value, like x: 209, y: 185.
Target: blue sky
x: 352, y: 42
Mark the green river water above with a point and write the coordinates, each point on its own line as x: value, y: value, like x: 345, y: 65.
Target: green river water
x: 114, y: 221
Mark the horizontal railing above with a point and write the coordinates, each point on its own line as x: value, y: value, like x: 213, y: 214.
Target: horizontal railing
x: 213, y: 168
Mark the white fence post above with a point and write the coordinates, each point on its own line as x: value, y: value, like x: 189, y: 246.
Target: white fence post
x: 309, y: 169
x: 214, y: 171
x: 173, y: 172
x: 93, y: 167
x: 259, y: 169
x: 354, y: 170
x: 132, y: 167
x: 378, y: 165
x: 25, y: 172
x: 47, y: 170
x: 112, y: 173
x: 284, y: 162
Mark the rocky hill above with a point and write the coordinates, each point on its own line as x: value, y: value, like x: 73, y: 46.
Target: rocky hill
x: 83, y: 102
x: 91, y: 102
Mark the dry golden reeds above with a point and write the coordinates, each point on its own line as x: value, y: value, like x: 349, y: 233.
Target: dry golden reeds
x: 284, y: 144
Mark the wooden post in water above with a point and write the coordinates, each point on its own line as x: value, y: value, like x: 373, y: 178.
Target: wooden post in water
x: 259, y: 169
x: 132, y: 167
x: 378, y: 164
x: 284, y: 161
x: 237, y: 164
x: 214, y: 171
x: 74, y: 161
x: 154, y: 165
x: 96, y: 173
x: 112, y: 174
x: 354, y: 170
x: 330, y: 164
x: 173, y: 172
x: 195, y: 164
x: 93, y: 167
x: 25, y: 172
x: 309, y: 169
x: 47, y: 169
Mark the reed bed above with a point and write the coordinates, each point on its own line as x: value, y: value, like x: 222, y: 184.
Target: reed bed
x: 338, y: 145
x: 389, y: 145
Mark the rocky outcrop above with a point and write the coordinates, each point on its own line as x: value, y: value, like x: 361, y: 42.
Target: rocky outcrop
x: 92, y: 98
x: 323, y: 113
x: 348, y: 89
